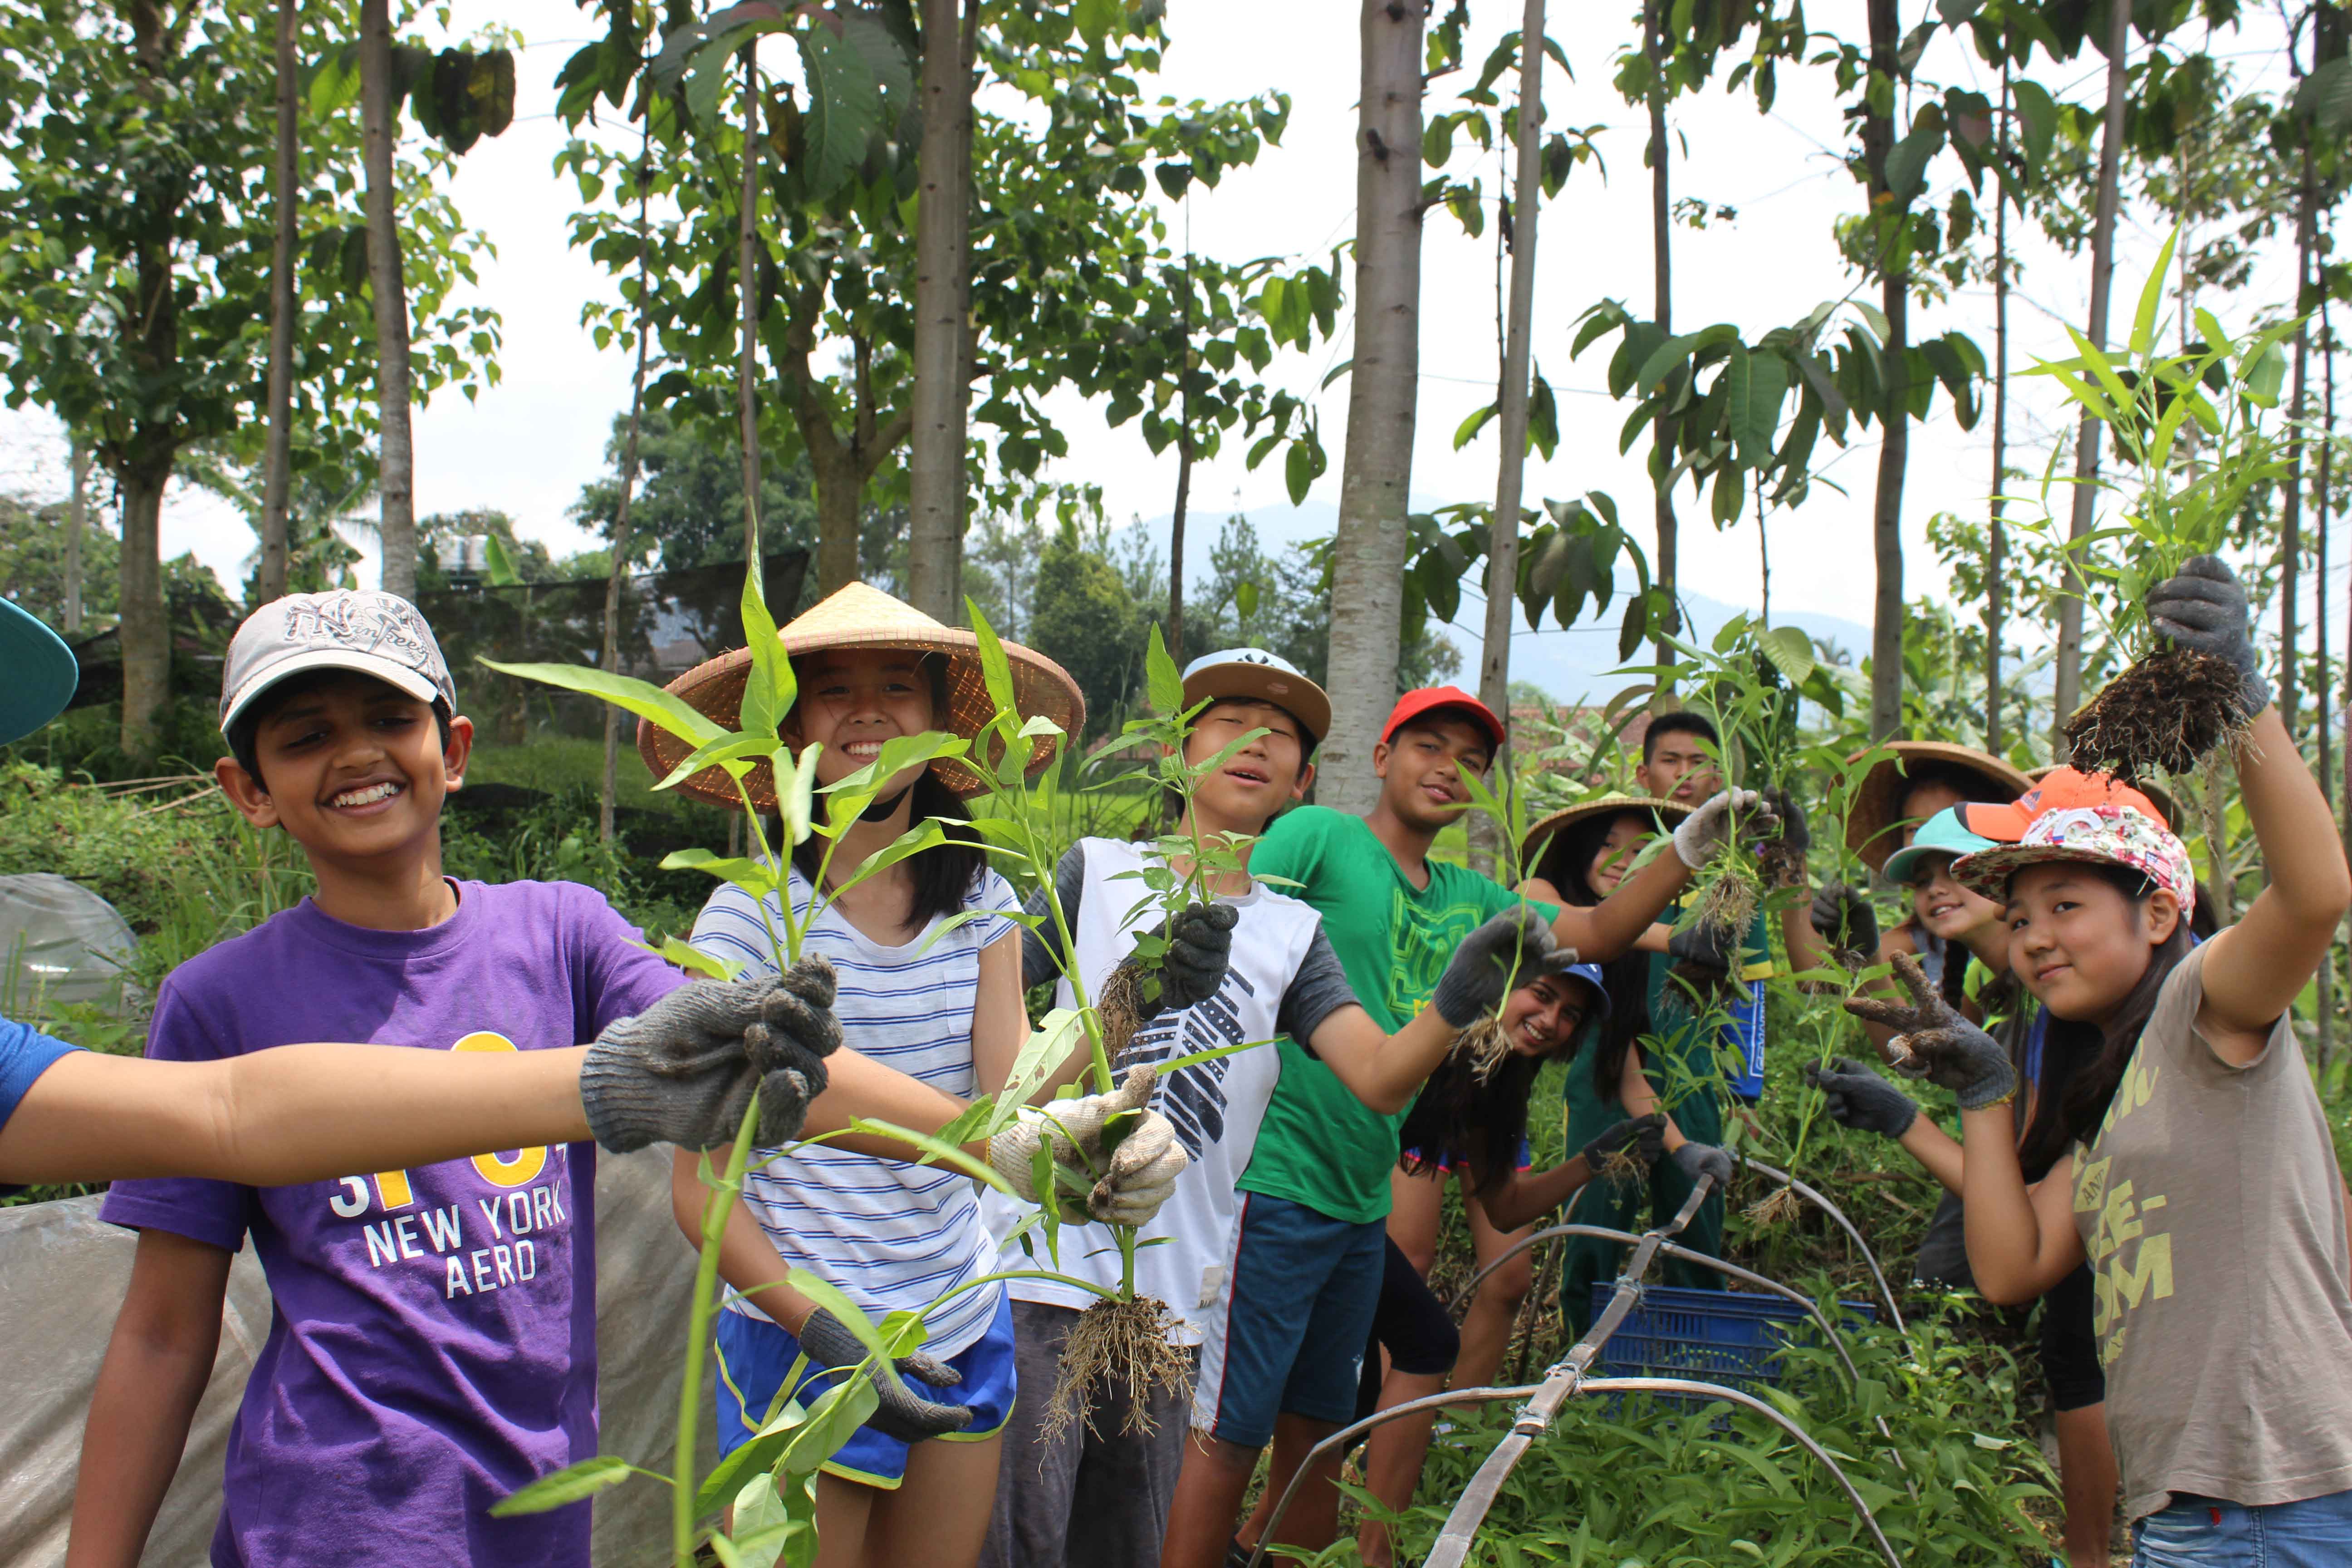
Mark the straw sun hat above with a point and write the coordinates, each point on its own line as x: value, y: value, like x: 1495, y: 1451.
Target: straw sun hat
x: 862, y: 617
x: 1871, y: 828
x: 1537, y: 843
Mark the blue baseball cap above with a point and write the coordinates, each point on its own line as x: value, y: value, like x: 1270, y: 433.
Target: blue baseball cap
x: 1590, y: 974
x: 41, y: 673
x: 1942, y: 834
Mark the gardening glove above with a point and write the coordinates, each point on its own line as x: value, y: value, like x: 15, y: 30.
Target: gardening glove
x: 1935, y: 1042
x: 1857, y: 1097
x: 2204, y: 610
x: 1794, y: 840
x: 1846, y: 921
x: 1696, y: 1159
x: 683, y: 1071
x: 1703, y: 832
x: 1200, y: 949
x: 1645, y: 1136
x: 1708, y: 946
x: 1510, y: 949
x: 903, y: 1413
x: 1138, y: 1172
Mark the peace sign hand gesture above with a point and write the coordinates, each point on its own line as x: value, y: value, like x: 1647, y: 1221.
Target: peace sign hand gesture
x: 1935, y: 1042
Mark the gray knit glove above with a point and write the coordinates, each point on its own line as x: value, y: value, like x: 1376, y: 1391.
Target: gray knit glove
x: 683, y: 1071
x: 1935, y: 1042
x: 1704, y: 832
x: 1199, y: 950
x: 1857, y: 1097
x: 903, y: 1413
x: 1510, y: 949
x: 1696, y: 1159
x: 2204, y: 610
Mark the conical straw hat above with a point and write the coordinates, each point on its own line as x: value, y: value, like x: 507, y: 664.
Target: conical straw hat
x: 1538, y: 841
x: 861, y: 615
x: 1871, y: 826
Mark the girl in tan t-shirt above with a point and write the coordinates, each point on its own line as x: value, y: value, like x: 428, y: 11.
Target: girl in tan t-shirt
x: 2195, y: 1118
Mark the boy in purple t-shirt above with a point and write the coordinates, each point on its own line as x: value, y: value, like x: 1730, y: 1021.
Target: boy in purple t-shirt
x: 433, y: 1344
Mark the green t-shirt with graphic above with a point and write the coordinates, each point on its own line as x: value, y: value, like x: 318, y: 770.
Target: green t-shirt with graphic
x: 1318, y: 1144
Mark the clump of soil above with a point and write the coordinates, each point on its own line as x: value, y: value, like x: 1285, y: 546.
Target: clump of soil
x: 1118, y: 1346
x: 1727, y: 907
x: 2165, y: 713
x: 1485, y: 1045
x: 1121, y: 1004
x: 1776, y: 1208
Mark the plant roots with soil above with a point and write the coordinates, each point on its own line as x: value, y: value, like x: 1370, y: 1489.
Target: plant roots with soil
x: 2165, y: 713
x: 1113, y: 1343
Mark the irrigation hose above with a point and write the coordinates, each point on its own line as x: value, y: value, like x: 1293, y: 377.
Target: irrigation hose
x: 1877, y: 1274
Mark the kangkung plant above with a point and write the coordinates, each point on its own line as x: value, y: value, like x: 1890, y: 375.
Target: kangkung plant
x: 2188, y: 425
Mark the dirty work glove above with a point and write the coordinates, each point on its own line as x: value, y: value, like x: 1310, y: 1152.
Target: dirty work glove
x: 2203, y: 608
x: 1935, y: 1042
x: 1696, y: 1159
x: 1794, y: 840
x: 1703, y: 834
x: 1845, y: 920
x: 1708, y: 946
x: 1129, y: 1183
x: 1857, y: 1097
x: 903, y: 1413
x: 683, y: 1071
x: 1200, y: 949
x: 1645, y: 1136
x: 1510, y: 949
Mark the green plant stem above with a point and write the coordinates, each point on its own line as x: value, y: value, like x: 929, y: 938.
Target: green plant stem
x: 721, y: 1203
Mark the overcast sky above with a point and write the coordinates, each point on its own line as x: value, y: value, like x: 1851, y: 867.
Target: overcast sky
x: 530, y: 444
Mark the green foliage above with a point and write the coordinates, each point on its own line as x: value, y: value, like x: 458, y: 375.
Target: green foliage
x: 689, y: 506
x: 1083, y: 618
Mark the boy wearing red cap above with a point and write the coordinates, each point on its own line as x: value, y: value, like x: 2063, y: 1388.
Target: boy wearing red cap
x: 1322, y: 1161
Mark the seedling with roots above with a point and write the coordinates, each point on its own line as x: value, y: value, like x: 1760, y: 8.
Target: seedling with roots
x: 2173, y: 706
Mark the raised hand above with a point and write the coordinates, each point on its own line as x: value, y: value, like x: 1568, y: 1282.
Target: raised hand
x: 903, y: 1413
x: 1935, y: 1042
x: 1859, y: 1099
x: 1703, y: 834
x: 683, y: 1071
x: 2203, y: 608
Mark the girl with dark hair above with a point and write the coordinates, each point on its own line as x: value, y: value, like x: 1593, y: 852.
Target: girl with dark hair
x: 1976, y: 936
x: 1910, y: 783
x: 1651, y: 1042
x: 2198, y: 1177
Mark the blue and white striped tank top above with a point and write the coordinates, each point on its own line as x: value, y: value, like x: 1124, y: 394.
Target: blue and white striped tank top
x: 891, y: 1236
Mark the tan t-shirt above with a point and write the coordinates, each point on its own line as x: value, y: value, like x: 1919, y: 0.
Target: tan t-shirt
x: 2213, y: 1211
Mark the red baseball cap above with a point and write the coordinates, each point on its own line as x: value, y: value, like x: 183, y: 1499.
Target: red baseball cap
x: 1413, y: 704
x: 2059, y: 789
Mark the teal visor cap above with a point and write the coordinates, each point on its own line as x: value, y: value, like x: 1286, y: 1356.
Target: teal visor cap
x: 1940, y: 834
x: 39, y: 670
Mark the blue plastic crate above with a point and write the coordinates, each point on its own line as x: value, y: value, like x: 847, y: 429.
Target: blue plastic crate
x: 1714, y: 1336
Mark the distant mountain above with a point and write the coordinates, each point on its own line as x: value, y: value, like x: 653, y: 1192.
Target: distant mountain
x: 1570, y: 665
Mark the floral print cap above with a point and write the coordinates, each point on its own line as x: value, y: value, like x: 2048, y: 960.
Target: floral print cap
x: 2098, y: 835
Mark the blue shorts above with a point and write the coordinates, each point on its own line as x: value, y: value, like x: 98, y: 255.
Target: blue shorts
x: 755, y: 1356
x: 1300, y: 1291
x: 1450, y: 1163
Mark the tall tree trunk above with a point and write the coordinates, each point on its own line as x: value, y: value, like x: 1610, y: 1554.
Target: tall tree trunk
x: 1895, y: 412
x: 2291, y: 527
x: 610, y: 791
x: 395, y: 459
x: 942, y: 257
x: 1503, y: 534
x: 77, y: 523
x: 277, y: 459
x: 2323, y: 511
x: 143, y: 464
x: 2068, y: 695
x: 1375, y: 470
x: 1174, y: 634
x: 1997, y: 540
x: 747, y: 278
x: 1763, y: 565
x: 1662, y: 275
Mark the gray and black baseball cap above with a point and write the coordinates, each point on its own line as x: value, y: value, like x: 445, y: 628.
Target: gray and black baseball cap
x: 360, y: 630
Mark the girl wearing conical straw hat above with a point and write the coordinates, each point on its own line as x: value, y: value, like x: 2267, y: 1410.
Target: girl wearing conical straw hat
x: 929, y: 984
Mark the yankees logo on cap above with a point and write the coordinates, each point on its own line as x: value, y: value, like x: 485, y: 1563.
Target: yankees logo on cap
x: 360, y: 630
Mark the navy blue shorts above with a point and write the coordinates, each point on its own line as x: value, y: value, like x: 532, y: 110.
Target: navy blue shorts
x: 755, y: 1356
x: 1452, y: 1164
x: 1288, y: 1339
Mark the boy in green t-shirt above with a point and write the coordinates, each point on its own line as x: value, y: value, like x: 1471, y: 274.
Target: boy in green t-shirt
x: 1318, y: 1184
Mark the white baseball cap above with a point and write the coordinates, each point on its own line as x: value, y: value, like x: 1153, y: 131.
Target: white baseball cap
x: 1252, y: 672
x: 360, y: 630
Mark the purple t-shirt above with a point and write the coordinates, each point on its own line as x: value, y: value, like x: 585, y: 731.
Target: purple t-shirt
x: 434, y: 1345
